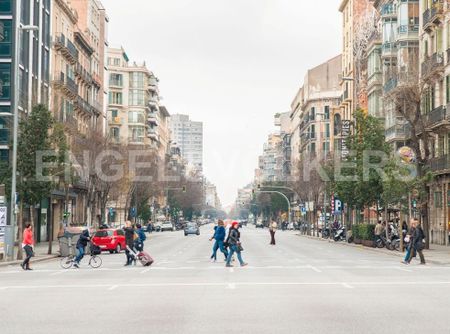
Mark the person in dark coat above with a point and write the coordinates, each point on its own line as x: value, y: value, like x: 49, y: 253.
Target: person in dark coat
x: 219, y: 237
x: 129, y: 241
x: 234, y: 242
x: 417, y: 238
x: 139, y: 242
x: 81, y: 247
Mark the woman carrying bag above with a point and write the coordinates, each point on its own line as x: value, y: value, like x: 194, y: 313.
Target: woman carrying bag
x: 234, y: 243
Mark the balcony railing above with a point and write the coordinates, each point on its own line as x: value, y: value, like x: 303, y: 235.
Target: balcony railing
x: 67, y: 84
x: 388, y: 10
x: 408, y: 28
x: 389, y: 49
x: 433, y: 64
x: 436, y: 116
x: 398, y: 132
x: 431, y: 15
x: 83, y: 73
x: 82, y: 105
x: 66, y: 47
x: 439, y: 164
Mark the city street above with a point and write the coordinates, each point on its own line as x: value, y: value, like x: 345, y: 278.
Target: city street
x: 298, y: 286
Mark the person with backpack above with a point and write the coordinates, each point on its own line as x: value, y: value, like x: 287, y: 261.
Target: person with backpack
x: 81, y: 247
x: 234, y: 242
x: 219, y: 237
x: 417, y: 241
x: 139, y: 241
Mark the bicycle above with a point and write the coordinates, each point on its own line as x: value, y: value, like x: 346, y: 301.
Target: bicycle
x: 95, y: 261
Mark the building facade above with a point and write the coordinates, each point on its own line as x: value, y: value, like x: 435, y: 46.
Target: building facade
x: 188, y: 136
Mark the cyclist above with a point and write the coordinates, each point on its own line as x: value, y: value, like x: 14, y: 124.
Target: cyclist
x: 81, y: 246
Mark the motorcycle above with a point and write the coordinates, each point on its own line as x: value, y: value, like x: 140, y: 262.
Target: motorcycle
x: 341, y: 234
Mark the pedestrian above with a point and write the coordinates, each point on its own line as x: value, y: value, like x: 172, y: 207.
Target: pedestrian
x: 27, y: 245
x: 139, y: 242
x: 129, y: 241
x: 219, y: 237
x: 378, y: 231
x: 234, y: 242
x: 272, y: 229
x: 81, y: 247
x: 417, y: 241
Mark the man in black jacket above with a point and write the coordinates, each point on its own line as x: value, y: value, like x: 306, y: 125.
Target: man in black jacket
x: 417, y: 241
x: 129, y: 240
x: 81, y: 246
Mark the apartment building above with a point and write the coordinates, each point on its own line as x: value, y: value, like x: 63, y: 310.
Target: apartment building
x: 283, y: 122
x: 34, y: 62
x: 188, y: 136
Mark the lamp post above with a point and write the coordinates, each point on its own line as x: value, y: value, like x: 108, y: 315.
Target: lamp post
x: 15, y: 108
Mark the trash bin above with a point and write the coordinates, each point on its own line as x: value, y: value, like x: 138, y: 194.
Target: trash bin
x: 68, y: 242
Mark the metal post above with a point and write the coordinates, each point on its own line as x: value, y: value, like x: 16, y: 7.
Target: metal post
x: 15, y: 110
x: 285, y: 197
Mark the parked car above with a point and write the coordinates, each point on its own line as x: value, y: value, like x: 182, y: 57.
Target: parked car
x: 112, y: 240
x: 191, y: 228
x: 259, y: 224
x: 167, y: 226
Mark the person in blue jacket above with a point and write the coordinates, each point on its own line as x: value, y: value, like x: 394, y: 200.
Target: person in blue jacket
x: 139, y: 242
x: 219, y: 237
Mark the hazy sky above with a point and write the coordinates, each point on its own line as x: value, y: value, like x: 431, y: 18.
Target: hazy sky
x: 232, y: 64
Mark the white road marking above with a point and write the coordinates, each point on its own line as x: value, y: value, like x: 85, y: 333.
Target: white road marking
x: 317, y: 270
x: 231, y: 286
x: 403, y: 269
x: 145, y: 271
x: 58, y: 273
x: 346, y: 285
x: 203, y: 284
x: 113, y: 287
x: 193, y: 261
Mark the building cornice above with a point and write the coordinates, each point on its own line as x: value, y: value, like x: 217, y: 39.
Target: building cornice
x: 71, y: 13
x: 343, y: 5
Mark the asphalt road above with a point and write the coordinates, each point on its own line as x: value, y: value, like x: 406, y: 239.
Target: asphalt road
x: 298, y: 286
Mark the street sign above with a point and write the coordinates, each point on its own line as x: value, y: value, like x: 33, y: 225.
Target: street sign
x: 338, y: 205
x: 3, y: 215
x: 303, y: 210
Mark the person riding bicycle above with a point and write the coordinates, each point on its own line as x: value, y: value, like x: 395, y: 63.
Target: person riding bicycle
x: 81, y: 246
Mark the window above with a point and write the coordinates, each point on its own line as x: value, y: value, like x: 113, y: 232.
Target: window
x: 137, y: 98
x: 136, y: 117
x: 4, y: 155
x: 327, y: 112
x: 114, y: 113
x: 116, y: 79
x: 447, y: 88
x: 136, y: 134
x: 115, y: 133
x: 438, y: 199
x: 4, y: 131
x: 5, y: 43
x: 327, y: 130
x: 5, y: 7
x: 312, y: 114
x: 115, y: 98
x: 5, y: 81
x: 137, y: 80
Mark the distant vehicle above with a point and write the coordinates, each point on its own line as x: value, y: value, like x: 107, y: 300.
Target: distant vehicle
x: 157, y: 226
x: 259, y: 224
x: 191, y: 228
x: 112, y: 240
x: 167, y: 226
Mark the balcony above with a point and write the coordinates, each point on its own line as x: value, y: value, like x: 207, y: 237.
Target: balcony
x: 374, y: 80
x: 389, y: 50
x: 83, y: 106
x: 152, y: 118
x: 398, y: 132
x: 153, y: 99
x: 439, y: 165
x: 96, y: 80
x: 97, y: 107
x: 66, y: 47
x: 389, y: 11
x: 408, y: 31
x: 433, y: 65
x: 115, y: 121
x: 448, y: 56
x: 152, y: 133
x: 66, y: 84
x: 83, y: 74
x: 390, y: 85
x: 436, y: 117
x: 434, y: 15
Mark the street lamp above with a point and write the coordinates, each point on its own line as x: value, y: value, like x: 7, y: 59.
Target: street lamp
x: 15, y: 109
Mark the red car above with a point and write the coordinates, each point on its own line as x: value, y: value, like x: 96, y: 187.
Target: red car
x: 112, y: 240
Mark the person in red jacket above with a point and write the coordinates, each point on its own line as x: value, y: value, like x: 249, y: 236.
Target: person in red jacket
x: 27, y: 245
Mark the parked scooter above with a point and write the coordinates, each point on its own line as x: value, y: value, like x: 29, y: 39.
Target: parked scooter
x: 341, y: 234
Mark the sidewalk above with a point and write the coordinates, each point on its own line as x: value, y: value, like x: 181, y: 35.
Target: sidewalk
x: 40, y: 250
x: 439, y: 255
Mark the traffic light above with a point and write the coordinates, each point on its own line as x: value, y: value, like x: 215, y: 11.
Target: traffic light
x: 184, y: 189
x: 259, y: 186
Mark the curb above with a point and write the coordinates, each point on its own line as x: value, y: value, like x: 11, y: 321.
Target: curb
x: 374, y: 250
x: 38, y: 259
